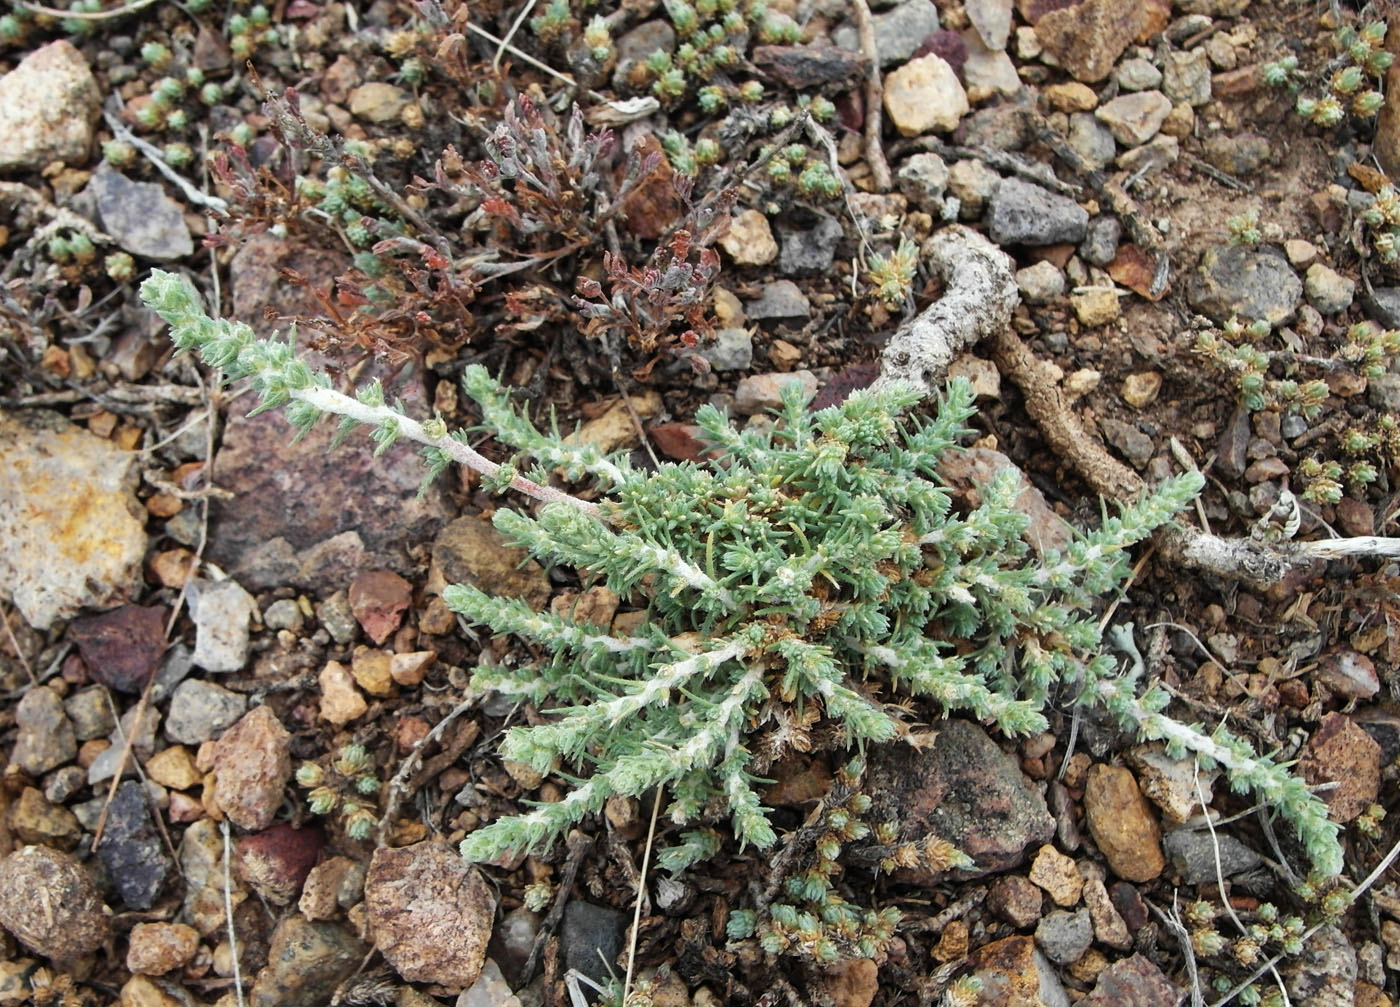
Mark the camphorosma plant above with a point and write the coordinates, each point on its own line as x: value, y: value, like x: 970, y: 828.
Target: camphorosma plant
x: 816, y: 566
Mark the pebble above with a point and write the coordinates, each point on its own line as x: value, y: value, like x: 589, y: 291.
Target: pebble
x: 1134, y: 980
x: 1324, y: 975
x: 898, y: 32
x: 1193, y: 854
x: 1087, y: 38
x: 49, y: 105
x: 1140, y: 389
x: 1064, y: 937
x: 379, y: 102
x: 62, y: 784
x: 808, y: 244
x: 783, y: 355
x: 1174, y: 785
x: 409, y: 669
x: 173, y: 767
x: 1025, y: 214
x: 131, y: 849
x: 1327, y: 290
x: 614, y: 429
x: 284, y: 614
x: 35, y: 820
x: 90, y: 714
x: 336, y: 618
x: 1070, y: 97
x: 221, y: 611
x: 370, y: 668
x: 761, y: 392
x: 341, y: 701
x: 988, y: 72
x: 1056, y: 873
x: 331, y: 887
x: 275, y: 862
x: 154, y: 949
x: 749, y: 240
x: 122, y: 648
x: 1135, y: 118
x: 378, y: 600
x: 1236, y: 281
x: 490, y: 990
x: 69, y: 537
x: 1015, y: 974
x: 1342, y: 753
x: 925, y: 786
x: 1015, y: 899
x: 591, y: 938
x: 142, y: 991
x: 992, y: 21
x: 431, y: 912
x: 471, y: 551
x: 801, y: 67
x: 1383, y: 392
x: 781, y: 299
x: 1186, y: 77
x: 1040, y: 283
x: 922, y: 179
x: 924, y: 95
x: 1109, y: 927
x: 1240, y: 154
x: 1154, y: 155
x: 1301, y: 254
x: 1348, y: 674
x: 1095, y: 306
x: 1091, y: 139
x: 306, y: 961
x: 74, y: 923
x: 972, y: 183
x: 140, y: 216
x: 1137, y: 74
x: 1122, y: 823
x: 731, y: 350
x: 45, y: 740
x: 252, y: 763
x: 200, y: 711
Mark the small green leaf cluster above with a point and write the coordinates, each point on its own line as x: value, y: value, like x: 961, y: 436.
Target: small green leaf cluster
x: 893, y: 275
x: 806, y: 171
x: 248, y: 31
x: 348, y: 199
x: 1257, y: 935
x: 812, y: 575
x: 815, y: 922
x: 1353, y: 87
x: 165, y: 108
x: 686, y: 158
x: 1368, y: 349
x: 1232, y: 351
x: 1244, y: 228
x: 348, y: 784
x: 71, y: 248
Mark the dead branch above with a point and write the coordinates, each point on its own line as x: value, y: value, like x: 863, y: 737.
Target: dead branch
x: 874, y: 97
x: 980, y: 296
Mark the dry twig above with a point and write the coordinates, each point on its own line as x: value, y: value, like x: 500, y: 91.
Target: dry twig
x: 874, y: 96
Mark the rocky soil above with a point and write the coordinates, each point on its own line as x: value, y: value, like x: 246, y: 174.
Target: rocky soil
x: 197, y: 607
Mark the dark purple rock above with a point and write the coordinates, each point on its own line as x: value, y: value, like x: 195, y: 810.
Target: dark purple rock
x: 948, y: 46
x: 131, y: 850
x: 122, y: 648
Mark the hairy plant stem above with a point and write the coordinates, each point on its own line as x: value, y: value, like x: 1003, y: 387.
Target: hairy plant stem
x: 327, y: 400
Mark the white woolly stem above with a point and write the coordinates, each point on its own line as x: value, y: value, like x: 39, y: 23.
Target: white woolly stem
x: 327, y: 400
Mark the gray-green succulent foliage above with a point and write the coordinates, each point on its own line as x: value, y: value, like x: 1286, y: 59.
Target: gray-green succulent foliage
x: 813, y: 574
